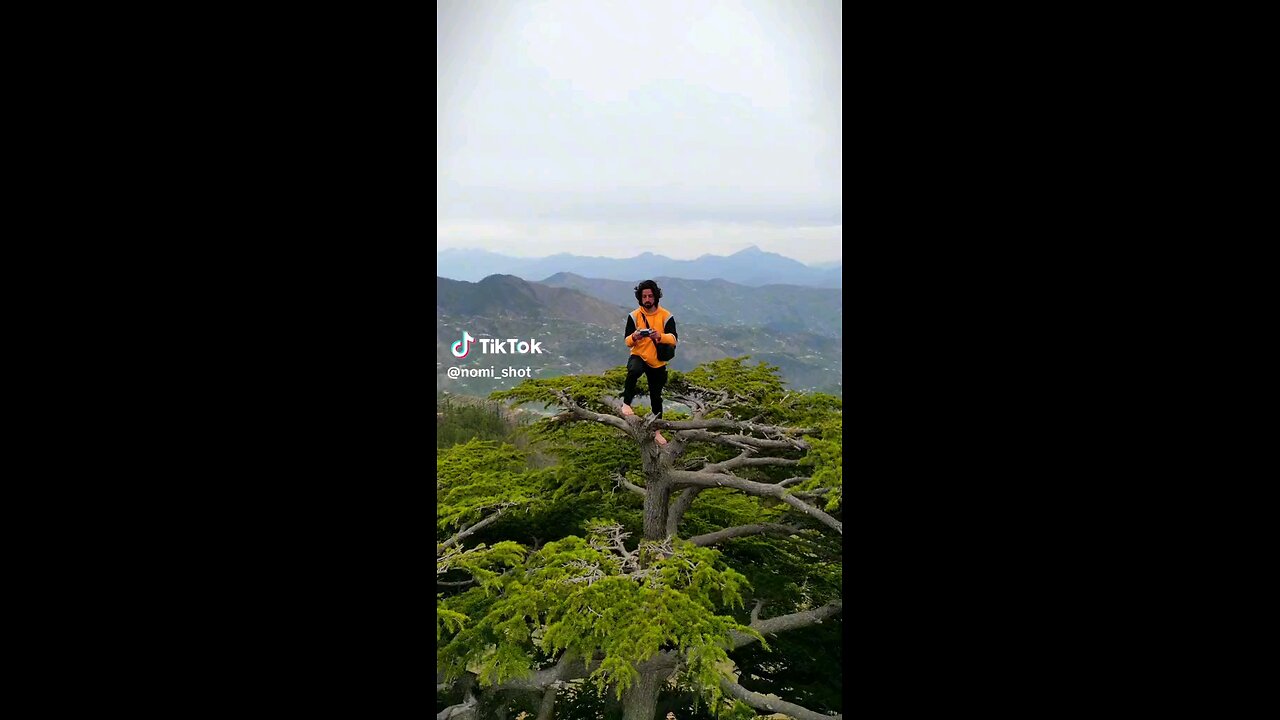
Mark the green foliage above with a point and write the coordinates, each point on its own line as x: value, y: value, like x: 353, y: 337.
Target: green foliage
x: 824, y: 457
x: 450, y: 620
x: 582, y: 596
x: 790, y: 574
x: 719, y: 508
x: 739, y: 711
x: 480, y: 475
x: 479, y: 560
x: 757, y: 387
x: 458, y: 421
x: 589, y: 453
x: 798, y: 668
x: 591, y: 593
x: 585, y: 390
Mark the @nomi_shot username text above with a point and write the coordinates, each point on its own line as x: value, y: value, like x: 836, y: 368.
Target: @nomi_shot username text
x: 490, y: 372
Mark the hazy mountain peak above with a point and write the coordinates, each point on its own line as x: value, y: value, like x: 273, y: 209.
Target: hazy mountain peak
x: 500, y: 278
x: 563, y: 276
x: 750, y: 266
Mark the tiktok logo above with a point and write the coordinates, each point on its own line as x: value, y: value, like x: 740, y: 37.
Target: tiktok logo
x: 488, y: 345
x: 463, y: 346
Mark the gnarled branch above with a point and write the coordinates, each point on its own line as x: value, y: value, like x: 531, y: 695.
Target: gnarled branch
x: 772, y: 705
x: 733, y: 532
x: 469, y: 708
x: 741, y: 441
x: 566, y: 669
x: 703, y: 400
x: 582, y: 413
x: 684, y: 478
x: 676, y: 513
x: 625, y: 483
x: 723, y: 424
x: 814, y: 512
x: 470, y: 530
x: 783, y: 623
x: 745, y: 459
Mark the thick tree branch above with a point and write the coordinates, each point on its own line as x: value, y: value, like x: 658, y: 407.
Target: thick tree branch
x: 726, y: 465
x: 746, y: 460
x: 724, y: 424
x: 548, y: 703
x: 468, y: 709
x: 742, y: 440
x: 733, y: 532
x: 614, y: 404
x: 582, y: 413
x: 684, y: 478
x: 772, y: 705
x: 783, y: 623
x: 812, y: 511
x: 679, y: 508
x: 470, y: 530
x: 566, y: 669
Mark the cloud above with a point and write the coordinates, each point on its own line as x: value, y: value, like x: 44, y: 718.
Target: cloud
x: 613, y: 116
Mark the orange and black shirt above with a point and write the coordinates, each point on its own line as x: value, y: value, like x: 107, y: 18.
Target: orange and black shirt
x: 659, y: 319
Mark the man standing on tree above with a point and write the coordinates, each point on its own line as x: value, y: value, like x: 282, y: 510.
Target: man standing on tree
x: 651, y: 335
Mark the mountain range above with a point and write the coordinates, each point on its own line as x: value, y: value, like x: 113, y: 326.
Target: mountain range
x: 717, y: 302
x: 581, y: 334
x: 751, y: 267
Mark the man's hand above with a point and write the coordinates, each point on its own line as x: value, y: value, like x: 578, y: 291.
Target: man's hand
x: 636, y: 336
x: 657, y: 336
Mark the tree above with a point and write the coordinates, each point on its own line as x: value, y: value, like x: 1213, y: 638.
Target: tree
x: 741, y: 506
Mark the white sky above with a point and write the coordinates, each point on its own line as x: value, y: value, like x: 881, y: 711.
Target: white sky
x: 612, y: 128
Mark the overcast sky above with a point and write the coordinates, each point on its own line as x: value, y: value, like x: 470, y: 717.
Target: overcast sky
x: 612, y: 128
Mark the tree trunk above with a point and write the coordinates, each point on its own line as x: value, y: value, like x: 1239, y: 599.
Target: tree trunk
x: 640, y: 701
x: 657, y: 498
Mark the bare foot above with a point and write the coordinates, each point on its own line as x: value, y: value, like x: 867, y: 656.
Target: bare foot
x: 657, y: 437
x: 626, y: 410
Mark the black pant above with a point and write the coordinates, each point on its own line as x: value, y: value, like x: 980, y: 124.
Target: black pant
x: 657, y: 378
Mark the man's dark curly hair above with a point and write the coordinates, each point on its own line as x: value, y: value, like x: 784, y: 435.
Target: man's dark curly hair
x: 649, y: 285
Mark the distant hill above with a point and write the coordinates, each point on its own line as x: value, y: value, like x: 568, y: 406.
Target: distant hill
x: 786, y: 308
x: 752, y: 267
x: 508, y: 296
